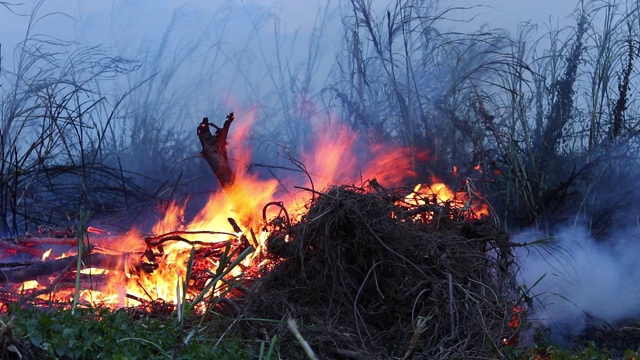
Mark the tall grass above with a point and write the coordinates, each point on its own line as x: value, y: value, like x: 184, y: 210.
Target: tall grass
x: 48, y: 131
x: 68, y: 140
x: 539, y: 113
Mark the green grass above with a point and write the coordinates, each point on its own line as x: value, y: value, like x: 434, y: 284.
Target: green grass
x: 121, y: 334
x: 105, y: 334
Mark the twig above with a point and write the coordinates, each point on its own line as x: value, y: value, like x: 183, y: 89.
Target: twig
x: 228, y: 330
x: 279, y: 204
x: 175, y: 236
x: 305, y: 345
x: 451, y: 309
x: 314, y: 191
x: 300, y: 165
x: 211, y: 244
x: 420, y: 326
x: 245, y: 242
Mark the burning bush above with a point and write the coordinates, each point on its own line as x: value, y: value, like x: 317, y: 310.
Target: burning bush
x: 367, y: 278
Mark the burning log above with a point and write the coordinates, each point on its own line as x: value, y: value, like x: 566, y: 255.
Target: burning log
x: 31, y: 241
x: 45, y: 268
x: 214, y: 150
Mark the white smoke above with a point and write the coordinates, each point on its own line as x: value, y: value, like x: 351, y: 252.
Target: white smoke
x: 577, y: 279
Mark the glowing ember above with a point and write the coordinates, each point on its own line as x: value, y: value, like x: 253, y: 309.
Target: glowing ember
x: 514, y: 325
x: 97, y: 231
x: 46, y: 255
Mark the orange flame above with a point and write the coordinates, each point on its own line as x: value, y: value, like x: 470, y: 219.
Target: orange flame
x: 46, y: 255
x: 466, y: 202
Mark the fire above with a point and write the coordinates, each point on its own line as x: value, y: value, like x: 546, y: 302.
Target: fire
x: 467, y: 202
x: 30, y: 284
x: 514, y: 325
x: 46, y: 255
x: 337, y: 156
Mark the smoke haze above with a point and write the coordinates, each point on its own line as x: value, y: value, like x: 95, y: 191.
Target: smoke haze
x: 580, y: 281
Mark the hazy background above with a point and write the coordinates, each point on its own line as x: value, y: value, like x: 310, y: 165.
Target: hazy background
x: 124, y: 27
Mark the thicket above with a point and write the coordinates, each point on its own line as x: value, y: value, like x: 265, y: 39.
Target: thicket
x: 82, y: 130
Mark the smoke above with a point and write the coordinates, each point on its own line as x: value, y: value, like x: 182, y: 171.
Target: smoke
x: 578, y: 281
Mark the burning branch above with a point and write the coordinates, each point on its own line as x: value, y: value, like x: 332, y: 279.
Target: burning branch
x: 214, y: 150
x: 20, y: 248
x: 176, y: 236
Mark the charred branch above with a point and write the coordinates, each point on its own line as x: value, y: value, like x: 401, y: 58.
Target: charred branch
x: 214, y: 150
x: 178, y: 236
x: 623, y: 93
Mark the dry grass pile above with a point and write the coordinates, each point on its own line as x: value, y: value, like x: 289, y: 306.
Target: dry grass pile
x: 365, y: 279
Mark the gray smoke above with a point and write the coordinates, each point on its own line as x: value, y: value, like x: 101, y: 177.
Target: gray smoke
x: 578, y: 280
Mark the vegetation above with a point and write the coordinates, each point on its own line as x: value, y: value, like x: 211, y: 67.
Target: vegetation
x: 543, y: 113
x: 107, y: 334
x: 542, y: 124
x: 122, y: 334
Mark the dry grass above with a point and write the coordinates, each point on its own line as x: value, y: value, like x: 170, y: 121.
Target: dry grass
x: 362, y: 283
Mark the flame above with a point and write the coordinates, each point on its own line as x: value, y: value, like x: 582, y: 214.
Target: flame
x: 46, y: 255
x: 30, y: 284
x: 236, y: 202
x: 333, y: 158
x: 466, y: 202
x: 337, y: 156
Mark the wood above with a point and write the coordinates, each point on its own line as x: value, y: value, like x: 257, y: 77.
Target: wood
x: 8, y: 244
x: 32, y: 272
x: 214, y: 150
x: 18, y: 272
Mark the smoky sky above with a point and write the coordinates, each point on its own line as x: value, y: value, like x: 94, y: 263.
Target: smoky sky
x: 99, y: 18
x: 249, y: 34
